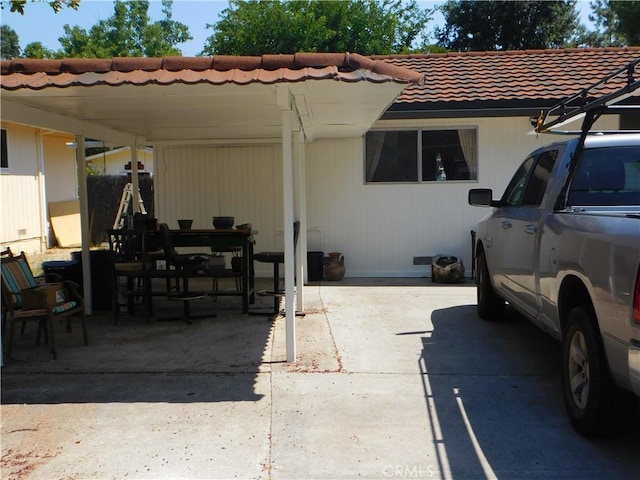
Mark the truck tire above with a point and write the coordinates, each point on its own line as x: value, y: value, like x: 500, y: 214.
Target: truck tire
x: 490, y: 305
x: 595, y: 405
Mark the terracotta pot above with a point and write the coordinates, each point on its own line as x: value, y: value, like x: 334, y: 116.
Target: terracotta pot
x: 334, y: 269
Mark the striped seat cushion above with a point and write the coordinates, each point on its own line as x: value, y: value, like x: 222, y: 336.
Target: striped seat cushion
x: 16, y: 276
x: 43, y: 311
x: 64, y: 307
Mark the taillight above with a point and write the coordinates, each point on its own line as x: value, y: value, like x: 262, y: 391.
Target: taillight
x: 636, y: 300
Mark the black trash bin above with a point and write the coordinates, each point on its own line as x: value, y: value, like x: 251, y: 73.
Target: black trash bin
x: 315, y: 266
x: 101, y: 266
x: 54, y: 270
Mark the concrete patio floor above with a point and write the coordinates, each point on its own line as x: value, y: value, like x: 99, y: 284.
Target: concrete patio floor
x: 395, y: 378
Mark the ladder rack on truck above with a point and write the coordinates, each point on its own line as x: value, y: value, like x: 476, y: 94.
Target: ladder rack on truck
x: 592, y: 104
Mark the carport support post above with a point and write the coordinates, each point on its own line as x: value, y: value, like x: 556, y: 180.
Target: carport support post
x: 301, y: 210
x: 287, y: 186
x: 85, y: 235
x: 135, y: 183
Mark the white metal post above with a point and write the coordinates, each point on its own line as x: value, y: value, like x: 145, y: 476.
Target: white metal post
x: 42, y: 195
x: 301, y: 214
x: 287, y: 185
x: 135, y: 182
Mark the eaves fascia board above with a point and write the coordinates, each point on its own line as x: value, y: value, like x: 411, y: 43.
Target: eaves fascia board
x: 466, y: 109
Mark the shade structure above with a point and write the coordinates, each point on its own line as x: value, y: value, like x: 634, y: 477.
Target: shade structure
x: 222, y: 99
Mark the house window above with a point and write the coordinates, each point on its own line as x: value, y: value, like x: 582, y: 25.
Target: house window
x: 5, y: 155
x: 417, y: 156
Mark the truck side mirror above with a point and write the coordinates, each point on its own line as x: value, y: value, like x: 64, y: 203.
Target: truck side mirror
x: 481, y: 197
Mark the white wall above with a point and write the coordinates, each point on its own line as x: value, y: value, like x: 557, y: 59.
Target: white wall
x: 61, y: 178
x: 20, y: 192
x: 25, y: 193
x: 378, y: 228
x: 113, y: 162
x: 200, y: 182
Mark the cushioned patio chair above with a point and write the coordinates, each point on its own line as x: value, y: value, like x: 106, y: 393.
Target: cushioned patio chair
x: 27, y: 300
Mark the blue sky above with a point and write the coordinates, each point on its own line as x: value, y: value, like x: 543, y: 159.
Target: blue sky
x: 40, y: 23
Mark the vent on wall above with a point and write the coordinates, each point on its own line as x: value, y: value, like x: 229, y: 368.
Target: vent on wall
x: 22, y: 232
x: 422, y: 260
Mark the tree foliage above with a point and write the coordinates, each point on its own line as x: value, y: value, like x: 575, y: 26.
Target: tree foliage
x: 9, y: 43
x: 57, y: 5
x: 617, y: 23
x: 508, y: 25
x: 38, y: 50
x: 256, y: 27
x: 128, y: 33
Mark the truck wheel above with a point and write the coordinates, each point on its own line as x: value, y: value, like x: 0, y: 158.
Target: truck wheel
x: 490, y: 305
x: 594, y: 404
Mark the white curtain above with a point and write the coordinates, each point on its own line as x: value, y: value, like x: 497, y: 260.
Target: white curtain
x: 374, y: 144
x: 469, y: 149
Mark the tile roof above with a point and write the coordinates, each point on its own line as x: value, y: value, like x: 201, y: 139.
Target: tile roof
x: 217, y: 70
x: 514, y: 78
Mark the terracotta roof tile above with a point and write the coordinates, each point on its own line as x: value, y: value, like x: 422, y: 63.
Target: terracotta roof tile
x: 38, y: 74
x: 129, y: 64
x: 525, y: 75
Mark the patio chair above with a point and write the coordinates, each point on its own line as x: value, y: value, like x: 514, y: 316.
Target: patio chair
x: 27, y: 300
x: 186, y: 264
x: 276, y: 258
x: 130, y: 273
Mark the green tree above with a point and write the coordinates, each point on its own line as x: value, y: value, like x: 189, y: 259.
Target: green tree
x: 256, y: 27
x: 9, y: 43
x: 57, y: 5
x: 508, y: 25
x: 617, y: 23
x: 128, y: 33
x: 38, y: 50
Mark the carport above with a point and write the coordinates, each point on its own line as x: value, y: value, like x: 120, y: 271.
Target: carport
x: 292, y: 99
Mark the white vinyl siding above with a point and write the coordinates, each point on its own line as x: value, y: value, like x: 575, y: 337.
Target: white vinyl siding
x: 244, y: 182
x: 19, y: 192
x: 378, y: 228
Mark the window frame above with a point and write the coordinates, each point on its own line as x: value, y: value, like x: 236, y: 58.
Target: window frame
x: 419, y: 158
x: 524, y: 183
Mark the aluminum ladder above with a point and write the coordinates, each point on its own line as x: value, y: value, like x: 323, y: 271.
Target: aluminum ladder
x: 123, y: 208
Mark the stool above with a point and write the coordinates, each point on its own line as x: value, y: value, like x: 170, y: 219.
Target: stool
x: 276, y: 258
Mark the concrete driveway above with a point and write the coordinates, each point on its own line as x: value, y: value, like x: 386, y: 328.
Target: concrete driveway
x: 396, y: 378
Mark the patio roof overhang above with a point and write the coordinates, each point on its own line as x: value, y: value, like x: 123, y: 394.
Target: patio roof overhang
x: 223, y: 99
x: 209, y: 99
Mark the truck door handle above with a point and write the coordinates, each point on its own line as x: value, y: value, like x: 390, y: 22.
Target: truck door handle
x: 531, y: 229
x: 506, y: 224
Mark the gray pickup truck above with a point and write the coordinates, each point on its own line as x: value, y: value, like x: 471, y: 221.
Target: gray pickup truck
x: 562, y: 247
